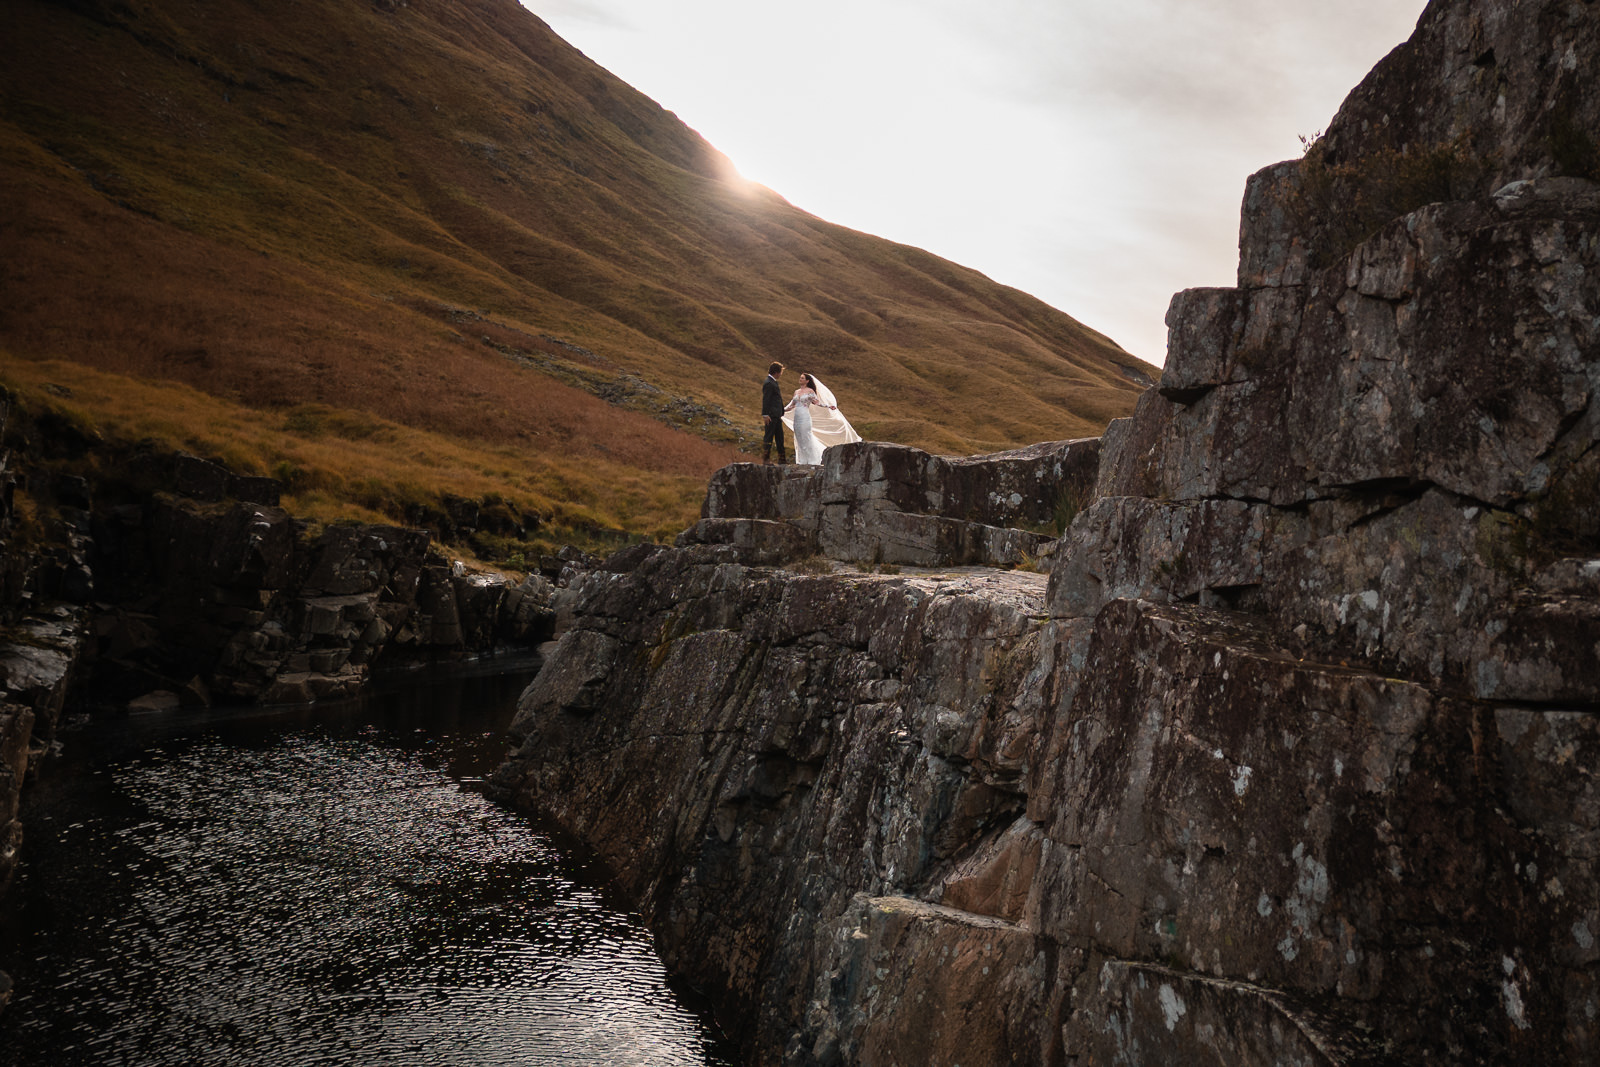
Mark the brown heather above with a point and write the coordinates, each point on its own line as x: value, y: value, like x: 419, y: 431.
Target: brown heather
x: 338, y: 464
x: 441, y: 222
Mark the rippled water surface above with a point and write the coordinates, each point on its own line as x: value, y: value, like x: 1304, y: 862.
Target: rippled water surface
x: 320, y: 887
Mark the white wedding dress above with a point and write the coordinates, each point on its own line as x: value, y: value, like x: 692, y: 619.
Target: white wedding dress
x: 816, y: 422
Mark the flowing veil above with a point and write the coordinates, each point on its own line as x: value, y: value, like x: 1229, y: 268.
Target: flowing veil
x: 824, y: 394
x: 827, y: 426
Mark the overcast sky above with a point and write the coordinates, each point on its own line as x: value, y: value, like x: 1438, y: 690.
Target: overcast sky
x: 1091, y: 153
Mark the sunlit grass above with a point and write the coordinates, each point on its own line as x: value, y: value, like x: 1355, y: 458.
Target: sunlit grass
x: 340, y: 465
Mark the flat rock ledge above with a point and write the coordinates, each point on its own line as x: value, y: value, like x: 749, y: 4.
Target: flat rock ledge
x: 879, y: 503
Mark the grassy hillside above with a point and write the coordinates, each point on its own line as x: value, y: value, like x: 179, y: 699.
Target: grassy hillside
x: 438, y: 218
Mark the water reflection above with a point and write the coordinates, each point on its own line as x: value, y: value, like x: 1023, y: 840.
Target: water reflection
x: 273, y: 889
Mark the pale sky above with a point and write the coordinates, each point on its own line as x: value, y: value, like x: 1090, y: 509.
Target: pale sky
x: 1091, y: 153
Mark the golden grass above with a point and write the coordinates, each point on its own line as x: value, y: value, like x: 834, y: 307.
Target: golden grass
x: 128, y: 295
x: 339, y: 464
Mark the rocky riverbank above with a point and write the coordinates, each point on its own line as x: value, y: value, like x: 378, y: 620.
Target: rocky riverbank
x: 1291, y: 757
x: 198, y: 589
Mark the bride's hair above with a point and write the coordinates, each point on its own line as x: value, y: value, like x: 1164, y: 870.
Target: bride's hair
x: 805, y: 379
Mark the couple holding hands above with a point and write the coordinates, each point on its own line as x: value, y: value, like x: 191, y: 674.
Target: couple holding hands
x: 812, y: 414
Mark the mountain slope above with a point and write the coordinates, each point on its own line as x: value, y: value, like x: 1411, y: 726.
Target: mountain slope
x: 441, y: 214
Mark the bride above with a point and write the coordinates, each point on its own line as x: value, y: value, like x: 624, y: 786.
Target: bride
x: 814, y: 432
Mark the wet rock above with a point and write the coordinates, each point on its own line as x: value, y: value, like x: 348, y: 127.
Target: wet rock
x: 38, y: 660
x: 38, y: 656
x: 16, y: 732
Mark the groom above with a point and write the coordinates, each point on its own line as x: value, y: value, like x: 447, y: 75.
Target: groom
x: 772, y: 414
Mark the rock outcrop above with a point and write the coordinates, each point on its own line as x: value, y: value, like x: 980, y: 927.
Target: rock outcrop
x: 810, y: 739
x: 240, y: 603
x: 41, y: 646
x: 205, y: 590
x: 876, y: 503
x: 1291, y: 760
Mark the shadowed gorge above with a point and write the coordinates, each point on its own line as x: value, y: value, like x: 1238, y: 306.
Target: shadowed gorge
x: 1257, y: 727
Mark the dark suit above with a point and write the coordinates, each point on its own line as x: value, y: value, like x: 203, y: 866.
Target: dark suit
x: 772, y: 406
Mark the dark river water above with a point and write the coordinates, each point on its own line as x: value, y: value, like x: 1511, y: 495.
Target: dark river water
x: 322, y: 885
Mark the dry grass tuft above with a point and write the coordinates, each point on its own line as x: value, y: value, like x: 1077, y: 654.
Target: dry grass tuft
x: 1340, y: 204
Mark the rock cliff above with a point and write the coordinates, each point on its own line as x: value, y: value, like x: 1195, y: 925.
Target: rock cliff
x: 188, y: 584
x: 1292, y: 757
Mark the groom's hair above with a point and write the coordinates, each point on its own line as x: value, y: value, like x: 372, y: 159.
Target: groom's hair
x: 774, y: 368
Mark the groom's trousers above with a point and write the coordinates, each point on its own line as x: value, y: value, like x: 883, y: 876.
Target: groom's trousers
x: 773, y: 435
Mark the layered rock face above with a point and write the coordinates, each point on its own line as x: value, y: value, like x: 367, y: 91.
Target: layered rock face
x: 758, y: 755
x: 1292, y: 760
x: 242, y: 604
x: 207, y: 591
x: 38, y: 655
x: 876, y: 503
